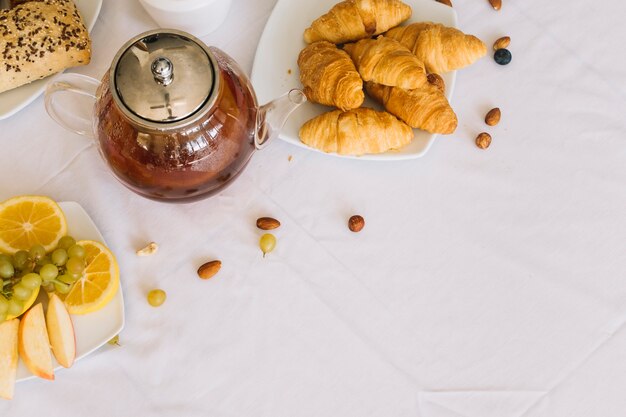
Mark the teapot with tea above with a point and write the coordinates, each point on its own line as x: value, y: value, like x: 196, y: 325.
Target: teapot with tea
x: 174, y: 119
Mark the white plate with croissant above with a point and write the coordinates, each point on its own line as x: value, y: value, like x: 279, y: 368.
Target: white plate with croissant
x: 369, y: 69
x: 16, y: 99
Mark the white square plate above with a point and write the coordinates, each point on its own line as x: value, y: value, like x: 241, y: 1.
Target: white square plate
x: 15, y: 100
x: 275, y: 69
x: 95, y: 329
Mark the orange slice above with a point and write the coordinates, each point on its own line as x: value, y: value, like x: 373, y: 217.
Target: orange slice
x: 99, y: 282
x: 29, y: 220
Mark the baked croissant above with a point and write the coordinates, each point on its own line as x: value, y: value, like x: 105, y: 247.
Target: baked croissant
x: 386, y: 61
x: 352, y: 20
x: 441, y: 48
x: 355, y: 132
x: 424, y: 108
x: 329, y: 76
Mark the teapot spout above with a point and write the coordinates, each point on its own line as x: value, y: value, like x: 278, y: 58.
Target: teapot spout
x: 272, y: 116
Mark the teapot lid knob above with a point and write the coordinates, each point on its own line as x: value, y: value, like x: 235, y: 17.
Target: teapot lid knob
x: 163, y: 71
x: 164, y: 79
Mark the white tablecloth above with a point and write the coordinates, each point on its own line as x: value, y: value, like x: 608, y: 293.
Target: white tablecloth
x: 485, y: 283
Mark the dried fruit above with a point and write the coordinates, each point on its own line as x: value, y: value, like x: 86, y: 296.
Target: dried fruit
x: 502, y: 56
x: 496, y: 4
x: 493, y: 117
x: 209, y: 269
x: 483, y: 140
x: 150, y: 249
x: 356, y: 223
x: 267, y: 223
x: 446, y: 2
x: 501, y: 43
x: 437, y: 81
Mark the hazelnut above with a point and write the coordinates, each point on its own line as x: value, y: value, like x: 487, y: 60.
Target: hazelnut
x: 483, y: 140
x: 356, y: 223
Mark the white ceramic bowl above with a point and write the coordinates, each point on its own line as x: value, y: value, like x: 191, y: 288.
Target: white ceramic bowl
x: 198, y: 17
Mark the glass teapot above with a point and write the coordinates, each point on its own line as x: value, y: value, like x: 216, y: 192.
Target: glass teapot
x: 175, y: 120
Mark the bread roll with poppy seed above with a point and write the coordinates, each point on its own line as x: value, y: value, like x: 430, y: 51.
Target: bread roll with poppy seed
x: 41, y: 38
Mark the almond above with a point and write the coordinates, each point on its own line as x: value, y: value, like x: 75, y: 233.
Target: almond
x: 483, y: 140
x: 267, y: 223
x: 496, y: 4
x: 437, y: 81
x: 493, y: 117
x: 356, y: 223
x: 446, y: 2
x: 209, y: 269
x: 502, y: 43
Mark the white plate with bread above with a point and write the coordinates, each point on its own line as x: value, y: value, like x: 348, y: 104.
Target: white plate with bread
x: 276, y: 70
x: 16, y: 99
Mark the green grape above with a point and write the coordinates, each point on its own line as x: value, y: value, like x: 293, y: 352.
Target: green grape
x: 68, y: 278
x: 37, y: 252
x: 48, y: 272
x: 6, y: 269
x: 59, y: 257
x: 5, y: 257
x: 20, y: 259
x: 44, y: 261
x: 48, y: 286
x: 267, y: 243
x: 156, y: 297
x: 15, y: 307
x: 61, y: 287
x: 3, y: 317
x: 75, y: 266
x: 66, y: 242
x: 32, y: 281
x: 4, y: 304
x: 76, y: 251
x: 21, y: 292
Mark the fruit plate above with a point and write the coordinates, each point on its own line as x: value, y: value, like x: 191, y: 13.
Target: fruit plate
x: 275, y: 69
x: 95, y: 329
x: 15, y: 100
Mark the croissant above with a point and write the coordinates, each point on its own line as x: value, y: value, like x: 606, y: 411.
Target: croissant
x: 352, y: 20
x: 386, y: 61
x: 355, y: 132
x: 329, y: 76
x: 424, y: 108
x: 441, y: 48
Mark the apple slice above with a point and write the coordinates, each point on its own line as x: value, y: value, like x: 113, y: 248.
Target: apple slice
x: 61, y: 332
x: 8, y: 357
x: 34, y: 345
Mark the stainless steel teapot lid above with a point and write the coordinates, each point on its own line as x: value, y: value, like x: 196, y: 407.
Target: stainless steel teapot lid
x: 161, y: 79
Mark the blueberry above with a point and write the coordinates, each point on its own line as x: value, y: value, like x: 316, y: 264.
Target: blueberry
x: 502, y: 56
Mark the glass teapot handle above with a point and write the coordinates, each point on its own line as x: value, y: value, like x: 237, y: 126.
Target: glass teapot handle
x: 70, y: 111
x: 272, y: 116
